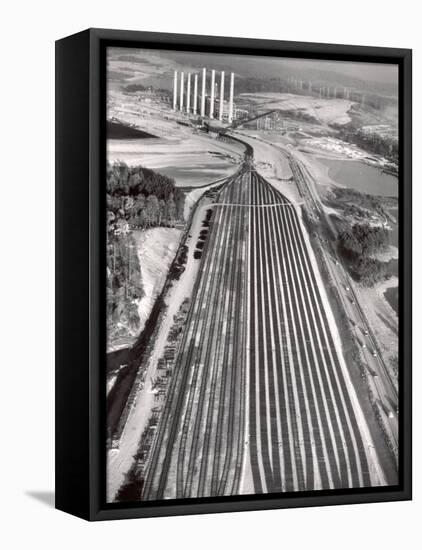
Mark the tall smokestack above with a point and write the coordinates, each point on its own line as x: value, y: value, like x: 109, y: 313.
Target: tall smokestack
x: 182, y: 83
x: 212, y: 93
x: 221, y: 96
x: 188, y: 95
x: 231, y: 98
x: 204, y: 77
x: 175, y: 91
x: 195, y: 94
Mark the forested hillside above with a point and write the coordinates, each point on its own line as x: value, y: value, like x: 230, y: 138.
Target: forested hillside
x: 137, y: 198
x: 141, y: 197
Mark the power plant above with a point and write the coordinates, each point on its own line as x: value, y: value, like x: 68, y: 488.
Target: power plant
x: 195, y: 94
x: 212, y: 94
x: 188, y: 96
x: 182, y: 87
x: 204, y: 76
x: 221, y: 97
x: 184, y: 100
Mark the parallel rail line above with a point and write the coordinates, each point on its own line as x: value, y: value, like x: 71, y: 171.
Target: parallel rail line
x: 257, y: 314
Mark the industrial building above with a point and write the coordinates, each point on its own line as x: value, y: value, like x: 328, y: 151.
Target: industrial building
x: 220, y: 111
x: 188, y: 99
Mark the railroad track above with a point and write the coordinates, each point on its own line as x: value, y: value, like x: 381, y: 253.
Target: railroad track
x: 182, y: 485
x: 322, y: 440
x: 302, y: 173
x: 188, y: 383
x: 201, y: 399
x: 257, y: 314
x: 174, y: 399
x: 233, y: 349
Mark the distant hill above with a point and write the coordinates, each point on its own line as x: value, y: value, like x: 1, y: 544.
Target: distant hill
x: 253, y: 74
x: 332, y: 73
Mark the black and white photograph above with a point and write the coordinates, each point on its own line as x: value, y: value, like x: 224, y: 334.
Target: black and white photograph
x: 252, y: 281
x: 209, y: 284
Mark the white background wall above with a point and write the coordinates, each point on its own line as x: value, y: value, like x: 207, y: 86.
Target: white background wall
x: 28, y: 31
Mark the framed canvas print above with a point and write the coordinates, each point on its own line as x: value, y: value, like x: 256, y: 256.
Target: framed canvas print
x: 233, y: 274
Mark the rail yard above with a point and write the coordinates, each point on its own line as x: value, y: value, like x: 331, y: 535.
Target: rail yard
x: 259, y: 387
x: 260, y: 371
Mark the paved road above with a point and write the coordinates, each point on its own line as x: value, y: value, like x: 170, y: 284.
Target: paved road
x: 381, y: 384
x: 380, y: 380
x: 258, y: 374
x: 305, y: 431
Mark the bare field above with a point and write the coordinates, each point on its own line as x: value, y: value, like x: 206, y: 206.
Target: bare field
x: 190, y: 161
x: 190, y: 158
x: 326, y: 111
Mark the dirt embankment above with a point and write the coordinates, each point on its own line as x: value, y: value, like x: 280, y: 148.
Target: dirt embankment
x: 156, y: 250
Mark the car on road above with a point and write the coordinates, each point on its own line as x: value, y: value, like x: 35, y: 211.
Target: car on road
x: 373, y: 373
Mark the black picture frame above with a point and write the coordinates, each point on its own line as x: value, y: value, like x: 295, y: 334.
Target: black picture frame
x: 80, y: 272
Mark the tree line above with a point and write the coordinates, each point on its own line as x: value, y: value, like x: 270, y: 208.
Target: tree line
x: 363, y: 240
x: 131, y: 88
x: 387, y: 147
x: 141, y: 198
x: 136, y: 198
x: 357, y: 245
